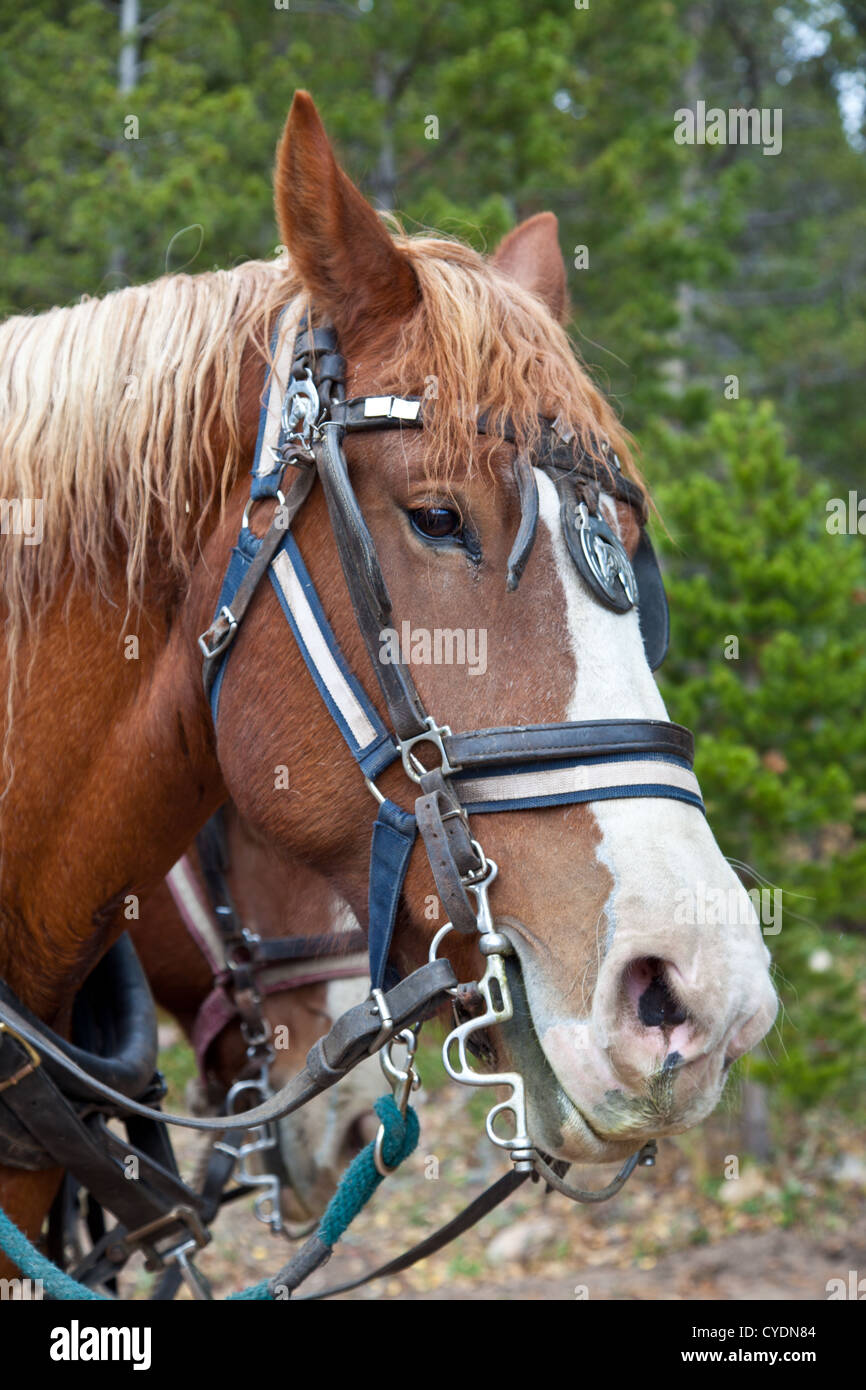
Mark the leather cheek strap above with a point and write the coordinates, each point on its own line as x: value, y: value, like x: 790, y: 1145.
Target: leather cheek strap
x: 452, y: 855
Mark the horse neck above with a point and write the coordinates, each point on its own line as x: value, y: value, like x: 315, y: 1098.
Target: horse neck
x: 114, y: 770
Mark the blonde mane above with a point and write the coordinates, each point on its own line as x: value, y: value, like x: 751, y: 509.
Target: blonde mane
x: 109, y: 412
x: 121, y: 414
x: 487, y: 344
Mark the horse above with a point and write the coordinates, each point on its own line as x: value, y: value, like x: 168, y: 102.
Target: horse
x: 264, y: 1009
x: 450, y: 471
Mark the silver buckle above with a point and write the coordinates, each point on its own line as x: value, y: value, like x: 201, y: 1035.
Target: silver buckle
x: 196, y: 1237
x: 299, y: 415
x: 433, y: 733
x: 223, y: 641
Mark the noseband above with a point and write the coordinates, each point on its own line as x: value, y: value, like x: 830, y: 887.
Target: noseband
x: 484, y: 770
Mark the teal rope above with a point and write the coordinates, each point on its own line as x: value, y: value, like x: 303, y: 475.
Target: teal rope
x: 359, y: 1181
x: 357, y: 1186
x: 361, y: 1178
x: 34, y: 1265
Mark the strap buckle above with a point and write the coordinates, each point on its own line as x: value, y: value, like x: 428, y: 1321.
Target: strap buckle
x: 28, y: 1067
x: 212, y: 644
x: 433, y: 733
x: 193, y: 1236
x: 299, y: 417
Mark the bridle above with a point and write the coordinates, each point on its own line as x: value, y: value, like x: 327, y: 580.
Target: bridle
x: 56, y: 1095
x: 479, y: 771
x: 248, y: 968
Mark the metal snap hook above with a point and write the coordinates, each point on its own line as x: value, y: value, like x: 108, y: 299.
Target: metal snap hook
x: 404, y: 1081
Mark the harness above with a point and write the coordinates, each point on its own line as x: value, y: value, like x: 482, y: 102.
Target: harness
x: 481, y: 771
x: 247, y: 967
x: 476, y: 772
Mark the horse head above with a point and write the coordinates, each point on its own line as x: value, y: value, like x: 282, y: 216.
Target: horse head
x: 625, y: 1020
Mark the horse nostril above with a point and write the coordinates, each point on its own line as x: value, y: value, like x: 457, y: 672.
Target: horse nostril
x: 657, y: 1007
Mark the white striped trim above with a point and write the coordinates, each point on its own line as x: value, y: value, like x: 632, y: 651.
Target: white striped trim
x: 184, y: 888
x: 516, y: 786
x: 354, y: 966
x: 338, y: 688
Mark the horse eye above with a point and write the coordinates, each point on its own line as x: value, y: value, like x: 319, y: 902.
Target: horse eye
x: 435, y: 523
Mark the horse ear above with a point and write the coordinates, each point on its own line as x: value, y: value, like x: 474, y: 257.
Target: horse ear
x: 530, y: 254
x: 346, y: 259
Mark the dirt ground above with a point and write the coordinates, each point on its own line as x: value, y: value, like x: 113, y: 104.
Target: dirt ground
x: 679, y: 1231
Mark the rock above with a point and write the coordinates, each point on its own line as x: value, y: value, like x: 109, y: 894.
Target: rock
x: 522, y: 1240
x: 849, y: 1170
x: 750, y: 1184
x: 820, y: 961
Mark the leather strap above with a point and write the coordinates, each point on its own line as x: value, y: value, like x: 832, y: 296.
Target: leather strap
x: 276, y: 950
x: 464, y: 1221
x: 118, y: 981
x: 591, y: 738
x: 221, y: 633
x: 348, y: 1042
x: 367, y: 589
x: 92, y: 1152
x: 443, y: 827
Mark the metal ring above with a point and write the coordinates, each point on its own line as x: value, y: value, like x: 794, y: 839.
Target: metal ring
x: 434, y: 947
x: 485, y: 873
x: 245, y: 519
x: 381, y: 1166
x: 374, y: 790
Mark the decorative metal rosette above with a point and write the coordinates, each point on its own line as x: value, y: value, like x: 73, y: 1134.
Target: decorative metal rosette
x: 602, y: 560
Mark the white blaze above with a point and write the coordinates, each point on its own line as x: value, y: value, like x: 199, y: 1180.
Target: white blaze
x: 651, y: 845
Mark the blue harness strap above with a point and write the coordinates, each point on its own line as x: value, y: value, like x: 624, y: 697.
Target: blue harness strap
x: 369, y: 742
x: 239, y: 562
x: 394, y: 832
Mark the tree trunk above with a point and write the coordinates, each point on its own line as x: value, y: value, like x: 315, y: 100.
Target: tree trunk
x: 127, y: 67
x: 384, y: 182
x: 127, y: 80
